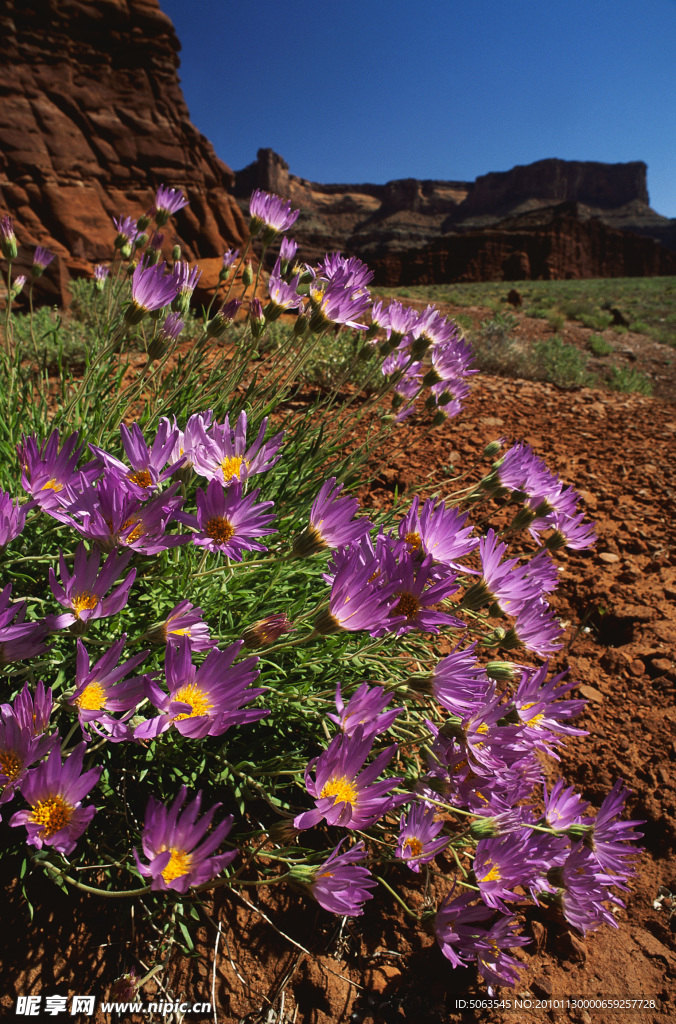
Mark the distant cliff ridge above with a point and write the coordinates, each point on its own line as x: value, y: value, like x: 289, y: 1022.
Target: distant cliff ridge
x: 394, y: 225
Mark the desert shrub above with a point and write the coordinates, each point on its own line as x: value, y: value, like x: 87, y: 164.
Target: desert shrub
x: 598, y: 345
x: 560, y: 363
x: 628, y: 379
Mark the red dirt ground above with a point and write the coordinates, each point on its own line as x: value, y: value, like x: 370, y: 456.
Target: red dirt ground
x: 619, y: 451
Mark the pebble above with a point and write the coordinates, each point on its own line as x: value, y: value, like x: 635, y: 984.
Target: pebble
x: 608, y: 557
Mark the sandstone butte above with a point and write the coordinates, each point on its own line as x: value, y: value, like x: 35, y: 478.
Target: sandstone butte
x: 92, y: 120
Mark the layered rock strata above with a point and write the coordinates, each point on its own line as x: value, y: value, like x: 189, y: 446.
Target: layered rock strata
x: 92, y: 119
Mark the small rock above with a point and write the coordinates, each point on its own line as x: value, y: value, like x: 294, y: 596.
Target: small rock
x: 585, y: 1018
x: 576, y: 948
x: 608, y: 557
x: 598, y: 408
x: 590, y: 693
x: 384, y: 977
x: 661, y: 664
x: 636, y: 668
x: 542, y: 987
x: 539, y: 934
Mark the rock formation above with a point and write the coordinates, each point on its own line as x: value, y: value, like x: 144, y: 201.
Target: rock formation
x: 550, y: 219
x: 92, y: 119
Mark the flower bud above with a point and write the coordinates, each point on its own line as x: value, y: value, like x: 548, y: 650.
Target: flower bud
x: 176, y: 253
x: 17, y: 286
x: 493, y: 448
x: 141, y: 240
x: 217, y: 326
x: 300, y: 328
x: 8, y: 244
x: 503, y: 671
x: 266, y: 631
x: 125, y: 249
x: 256, y: 318
x: 247, y: 274
x: 143, y: 222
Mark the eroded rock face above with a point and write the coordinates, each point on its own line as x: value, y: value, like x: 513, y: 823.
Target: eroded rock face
x: 92, y: 119
x: 550, y: 219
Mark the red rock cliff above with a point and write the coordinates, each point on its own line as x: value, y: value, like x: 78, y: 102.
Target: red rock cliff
x: 92, y: 119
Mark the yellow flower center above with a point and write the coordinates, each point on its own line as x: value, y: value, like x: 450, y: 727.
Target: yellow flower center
x: 231, y: 466
x: 408, y: 605
x: 179, y: 864
x: 10, y: 764
x: 341, y: 789
x: 493, y: 874
x: 413, y: 539
x: 220, y: 529
x: 92, y: 698
x: 536, y: 719
x: 52, y: 485
x: 141, y: 477
x: 53, y: 814
x: 181, y: 632
x: 83, y: 600
x: 198, y: 700
x: 415, y: 845
x: 136, y: 533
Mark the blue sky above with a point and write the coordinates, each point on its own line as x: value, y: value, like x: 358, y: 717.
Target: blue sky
x: 380, y: 89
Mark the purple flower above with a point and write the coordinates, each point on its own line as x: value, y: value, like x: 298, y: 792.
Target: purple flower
x: 103, y: 689
x: 537, y: 628
x: 8, y: 245
x: 230, y: 523
x: 230, y: 257
x: 345, y: 792
x: 151, y: 289
x: 283, y: 296
x: 147, y: 463
x: 41, y: 260
x: 272, y: 213
x: 358, y: 599
x: 83, y: 592
x: 100, y: 274
x: 202, y: 701
x: 32, y: 714
x: 19, y: 749
x: 608, y: 837
x: 507, y: 583
x: 495, y: 965
x: 51, y: 476
x: 418, y: 588
x: 55, y: 791
x: 225, y: 456
x: 501, y: 863
x: 366, y: 708
x: 459, y: 682
x: 341, y: 883
x: 585, y: 890
x: 111, y: 516
x: 418, y: 831
x: 331, y: 522
x: 126, y: 231
x: 333, y: 303
x: 462, y: 936
x: 178, y: 854
x: 542, y: 711
x: 167, y: 202
x: 564, y: 807
x: 12, y: 518
x: 183, y: 620
x: 439, y: 532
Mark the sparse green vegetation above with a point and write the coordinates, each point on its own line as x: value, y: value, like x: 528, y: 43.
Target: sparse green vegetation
x: 629, y: 380
x: 648, y: 303
x: 560, y: 363
x: 598, y: 345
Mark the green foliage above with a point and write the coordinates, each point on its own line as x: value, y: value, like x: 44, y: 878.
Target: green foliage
x: 649, y: 303
x: 560, y: 363
x: 627, y: 379
x: 598, y: 345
